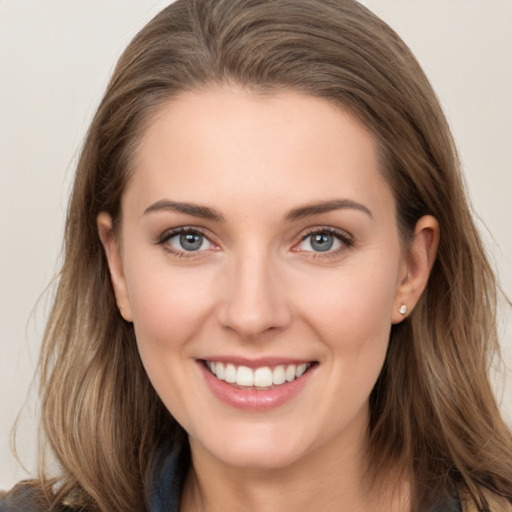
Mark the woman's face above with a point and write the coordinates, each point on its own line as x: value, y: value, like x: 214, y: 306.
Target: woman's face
x: 259, y: 242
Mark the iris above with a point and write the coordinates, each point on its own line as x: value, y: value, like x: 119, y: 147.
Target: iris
x: 322, y: 242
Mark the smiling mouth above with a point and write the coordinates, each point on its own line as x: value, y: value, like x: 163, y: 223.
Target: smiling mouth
x: 264, y: 377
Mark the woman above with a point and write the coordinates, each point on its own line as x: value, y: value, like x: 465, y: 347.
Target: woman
x: 273, y: 294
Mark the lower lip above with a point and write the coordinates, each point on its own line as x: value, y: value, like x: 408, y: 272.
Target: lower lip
x: 255, y: 399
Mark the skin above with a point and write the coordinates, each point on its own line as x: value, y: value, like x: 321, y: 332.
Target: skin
x: 257, y: 287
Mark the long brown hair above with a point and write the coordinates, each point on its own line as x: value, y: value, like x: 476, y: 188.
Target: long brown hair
x: 433, y: 413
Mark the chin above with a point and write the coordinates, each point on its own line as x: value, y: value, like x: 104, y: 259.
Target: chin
x: 256, y: 451
x: 258, y: 459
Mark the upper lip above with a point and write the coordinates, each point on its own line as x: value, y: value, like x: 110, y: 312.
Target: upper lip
x: 257, y: 362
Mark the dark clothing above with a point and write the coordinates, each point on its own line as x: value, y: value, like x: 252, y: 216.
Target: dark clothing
x: 169, y: 475
x: 26, y: 497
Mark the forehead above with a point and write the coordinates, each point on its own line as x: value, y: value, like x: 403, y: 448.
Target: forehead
x: 228, y: 142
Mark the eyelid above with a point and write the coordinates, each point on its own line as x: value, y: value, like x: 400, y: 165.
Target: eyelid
x: 171, y: 233
x: 345, y: 238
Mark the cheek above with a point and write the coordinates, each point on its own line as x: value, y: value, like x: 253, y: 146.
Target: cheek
x: 169, y: 311
x: 355, y: 297
x: 167, y: 306
x: 356, y: 332
x: 351, y: 310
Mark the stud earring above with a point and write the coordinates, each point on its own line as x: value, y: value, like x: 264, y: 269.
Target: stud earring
x: 402, y: 309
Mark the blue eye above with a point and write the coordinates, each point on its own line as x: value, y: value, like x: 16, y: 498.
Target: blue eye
x: 184, y: 240
x: 190, y: 241
x: 323, y: 241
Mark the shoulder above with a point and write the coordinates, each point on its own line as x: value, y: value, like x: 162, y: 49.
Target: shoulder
x: 496, y: 503
x: 27, y: 497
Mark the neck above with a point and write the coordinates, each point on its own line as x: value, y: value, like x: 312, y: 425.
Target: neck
x: 332, y: 478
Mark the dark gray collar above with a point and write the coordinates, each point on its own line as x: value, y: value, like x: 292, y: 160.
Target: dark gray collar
x: 170, y: 470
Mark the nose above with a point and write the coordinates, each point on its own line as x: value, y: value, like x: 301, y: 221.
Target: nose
x: 254, y: 300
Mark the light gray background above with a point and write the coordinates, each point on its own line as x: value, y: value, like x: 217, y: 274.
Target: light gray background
x: 55, y: 59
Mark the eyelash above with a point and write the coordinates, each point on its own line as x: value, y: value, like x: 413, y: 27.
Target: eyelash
x: 344, y: 238
x: 185, y: 230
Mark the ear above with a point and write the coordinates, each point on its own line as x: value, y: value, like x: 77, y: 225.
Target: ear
x: 419, y: 259
x: 115, y: 264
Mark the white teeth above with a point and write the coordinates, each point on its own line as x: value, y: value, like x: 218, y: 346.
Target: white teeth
x: 220, y: 371
x: 290, y: 372
x: 278, y: 375
x: 263, y: 377
x: 230, y: 373
x: 244, y: 376
x: 300, y: 370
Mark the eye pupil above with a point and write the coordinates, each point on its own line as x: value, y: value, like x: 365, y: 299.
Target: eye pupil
x: 191, y: 241
x: 322, y: 242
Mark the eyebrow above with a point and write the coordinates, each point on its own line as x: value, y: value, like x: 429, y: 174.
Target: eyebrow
x: 206, y: 212
x: 195, y: 210
x: 325, y: 207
